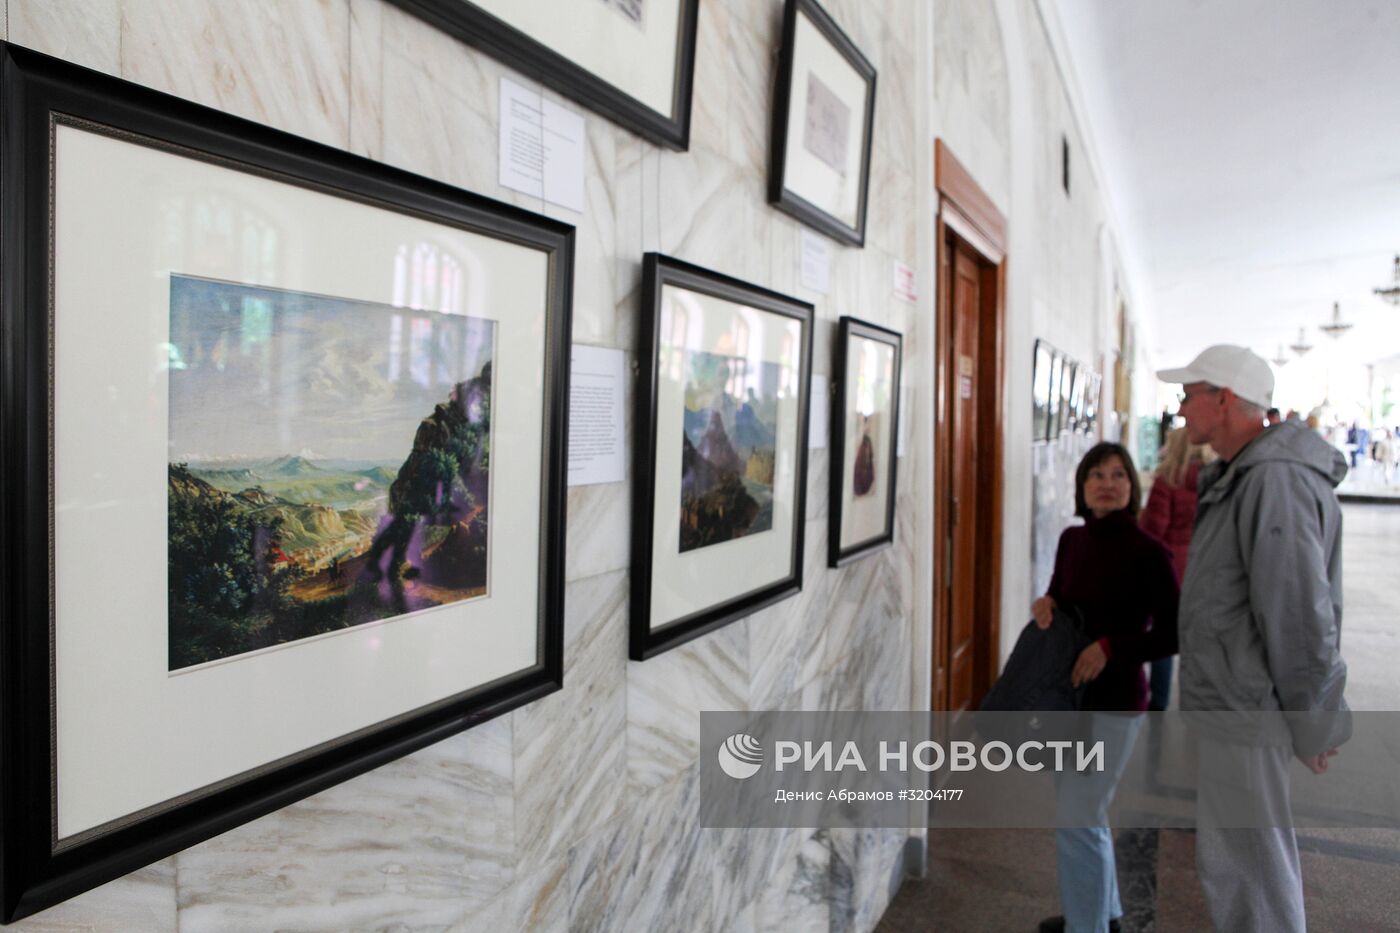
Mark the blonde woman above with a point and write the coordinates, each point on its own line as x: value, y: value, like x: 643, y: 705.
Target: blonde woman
x: 1168, y: 517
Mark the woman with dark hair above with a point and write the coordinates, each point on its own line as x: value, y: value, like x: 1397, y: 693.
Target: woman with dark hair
x: 1121, y: 580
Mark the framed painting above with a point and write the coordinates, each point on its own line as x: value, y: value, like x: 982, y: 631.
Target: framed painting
x: 1091, y: 402
x: 631, y: 61
x: 283, y: 475
x: 823, y: 124
x: 1076, y: 399
x: 1041, y: 375
x: 1052, y: 415
x: 1065, y: 419
x: 865, y: 425
x: 719, y: 486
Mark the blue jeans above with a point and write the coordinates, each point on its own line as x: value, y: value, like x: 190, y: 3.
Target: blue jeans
x: 1084, y: 843
x: 1159, y: 687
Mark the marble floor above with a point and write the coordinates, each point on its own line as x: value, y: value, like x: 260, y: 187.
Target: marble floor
x: 994, y: 880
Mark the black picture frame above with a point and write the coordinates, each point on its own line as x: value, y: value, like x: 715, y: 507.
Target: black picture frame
x: 1053, y: 415
x: 43, y: 97
x: 533, y: 57
x: 648, y: 640
x: 1042, y: 412
x: 802, y: 204
x: 1064, y: 422
x: 839, y: 554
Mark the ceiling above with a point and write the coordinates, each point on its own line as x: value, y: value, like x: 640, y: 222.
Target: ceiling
x: 1252, y: 151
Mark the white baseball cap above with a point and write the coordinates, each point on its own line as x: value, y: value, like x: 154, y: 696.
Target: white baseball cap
x: 1225, y: 366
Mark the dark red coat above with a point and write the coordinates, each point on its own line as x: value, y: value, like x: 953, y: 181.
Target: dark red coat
x: 1170, y: 514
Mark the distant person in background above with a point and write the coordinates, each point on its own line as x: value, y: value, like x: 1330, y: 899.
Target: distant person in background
x: 1272, y: 417
x: 1168, y: 517
x: 1164, y: 427
x: 1385, y: 453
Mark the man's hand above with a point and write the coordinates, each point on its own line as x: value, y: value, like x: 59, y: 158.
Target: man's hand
x: 1317, y: 764
x: 1043, y: 611
x: 1090, y: 665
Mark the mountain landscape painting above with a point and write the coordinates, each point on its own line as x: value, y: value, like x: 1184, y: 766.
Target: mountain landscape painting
x: 729, y: 449
x: 329, y: 465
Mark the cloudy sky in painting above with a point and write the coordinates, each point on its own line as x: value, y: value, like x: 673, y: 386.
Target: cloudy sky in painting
x: 262, y: 372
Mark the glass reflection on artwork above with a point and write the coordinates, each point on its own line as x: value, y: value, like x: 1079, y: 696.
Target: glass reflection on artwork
x: 329, y: 464
x: 729, y: 448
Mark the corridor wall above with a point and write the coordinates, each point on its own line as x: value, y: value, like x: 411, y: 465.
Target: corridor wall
x: 580, y: 810
x: 1007, y: 108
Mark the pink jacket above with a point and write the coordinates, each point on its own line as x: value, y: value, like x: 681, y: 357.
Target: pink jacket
x: 1170, y: 515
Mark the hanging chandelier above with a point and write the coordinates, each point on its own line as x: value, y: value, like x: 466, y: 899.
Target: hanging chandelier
x: 1391, y: 293
x: 1336, y: 327
x: 1281, y: 359
x: 1302, y: 346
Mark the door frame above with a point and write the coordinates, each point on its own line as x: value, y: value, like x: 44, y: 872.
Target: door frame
x: 967, y: 213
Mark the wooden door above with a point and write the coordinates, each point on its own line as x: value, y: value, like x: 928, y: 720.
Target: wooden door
x: 969, y: 429
x: 965, y: 302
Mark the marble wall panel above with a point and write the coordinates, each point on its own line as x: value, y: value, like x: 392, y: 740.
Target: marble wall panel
x: 419, y: 841
x: 143, y: 900
x: 666, y: 694
x: 366, y: 131
x: 595, y: 276
x: 709, y: 117
x: 703, y: 203
x: 537, y: 901
x: 786, y: 639
x: 87, y: 32
x: 755, y: 27
x: 797, y: 896
x: 600, y: 524
x: 650, y: 869
x: 283, y: 64
x: 569, y: 746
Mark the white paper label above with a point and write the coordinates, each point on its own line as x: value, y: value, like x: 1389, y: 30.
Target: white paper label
x: 595, y: 416
x: 905, y: 285
x: 814, y: 263
x: 821, y: 412
x: 541, y: 147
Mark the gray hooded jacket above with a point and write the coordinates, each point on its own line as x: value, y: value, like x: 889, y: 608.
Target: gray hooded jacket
x: 1261, y: 602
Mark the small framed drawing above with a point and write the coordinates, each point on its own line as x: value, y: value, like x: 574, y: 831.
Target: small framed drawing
x: 632, y: 61
x: 1052, y: 415
x: 1068, y: 370
x: 719, y: 490
x: 1041, y: 374
x: 283, y: 484
x: 1091, y: 403
x: 1076, y: 399
x: 865, y: 426
x: 823, y: 123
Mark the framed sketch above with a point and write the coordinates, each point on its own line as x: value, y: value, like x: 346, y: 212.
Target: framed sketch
x: 865, y: 424
x: 1065, y: 421
x: 719, y: 488
x: 1041, y: 375
x: 284, y: 473
x: 1076, y: 399
x: 1052, y: 417
x: 1091, y: 402
x: 631, y: 61
x: 823, y: 122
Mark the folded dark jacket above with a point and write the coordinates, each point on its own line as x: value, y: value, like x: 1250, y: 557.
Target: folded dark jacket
x: 1037, y: 675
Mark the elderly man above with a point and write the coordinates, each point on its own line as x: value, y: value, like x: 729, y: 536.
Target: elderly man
x: 1260, y: 626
